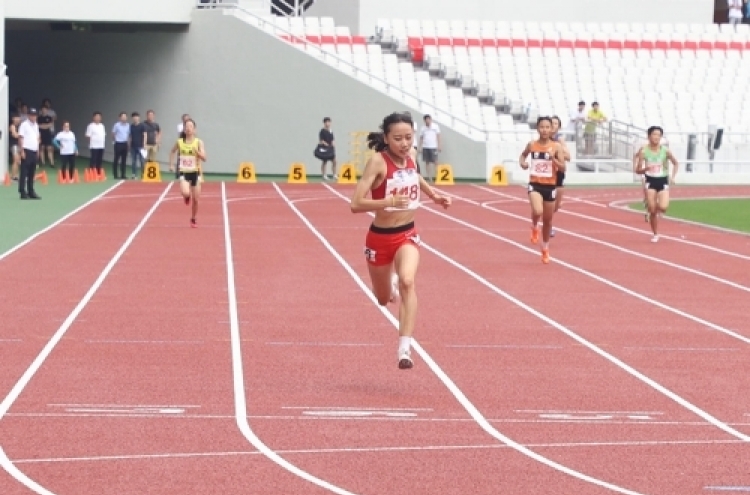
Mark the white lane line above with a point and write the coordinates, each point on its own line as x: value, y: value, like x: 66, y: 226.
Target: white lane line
x: 57, y: 222
x: 324, y: 344
x: 240, y: 400
x: 344, y: 408
x: 522, y: 421
x: 144, y: 341
x: 488, y: 206
x: 609, y: 357
x: 630, y: 228
x: 47, y: 350
x: 442, y: 376
x: 344, y: 450
x: 130, y: 406
x: 589, y: 274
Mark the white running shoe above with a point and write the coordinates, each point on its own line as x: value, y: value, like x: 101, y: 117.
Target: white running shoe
x: 394, y: 286
x: 655, y: 238
x: 404, y: 361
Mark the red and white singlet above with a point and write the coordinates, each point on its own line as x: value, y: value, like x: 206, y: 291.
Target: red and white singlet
x: 404, y: 181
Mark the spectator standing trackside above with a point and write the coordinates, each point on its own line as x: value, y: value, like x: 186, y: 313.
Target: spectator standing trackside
x: 46, y: 126
x: 121, y: 136
x: 327, y: 145
x: 66, y: 141
x: 15, y: 151
x: 593, y: 120
x: 430, y: 143
x: 97, y: 136
x: 152, y: 136
x: 577, y: 117
x: 29, y: 140
x: 735, y: 11
x: 137, y: 145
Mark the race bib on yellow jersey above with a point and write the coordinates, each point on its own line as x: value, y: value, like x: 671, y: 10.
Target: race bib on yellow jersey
x: 188, y: 163
x: 406, y: 183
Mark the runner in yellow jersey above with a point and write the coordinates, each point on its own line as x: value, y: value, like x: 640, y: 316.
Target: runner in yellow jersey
x: 192, y: 155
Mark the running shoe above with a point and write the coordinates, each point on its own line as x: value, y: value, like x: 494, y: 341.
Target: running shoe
x: 534, y: 235
x: 655, y: 238
x: 404, y: 361
x: 394, y: 286
x: 552, y: 232
x: 545, y: 256
x: 193, y: 223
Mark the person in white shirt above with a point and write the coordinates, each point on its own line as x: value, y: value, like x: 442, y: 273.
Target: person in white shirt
x: 430, y: 143
x: 735, y: 11
x: 97, y: 135
x: 65, y: 141
x: 577, y: 118
x: 29, y: 140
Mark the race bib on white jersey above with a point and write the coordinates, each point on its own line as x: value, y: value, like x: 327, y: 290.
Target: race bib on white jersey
x: 406, y: 183
x: 188, y: 163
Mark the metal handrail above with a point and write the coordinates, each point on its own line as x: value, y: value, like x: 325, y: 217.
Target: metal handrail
x: 356, y: 69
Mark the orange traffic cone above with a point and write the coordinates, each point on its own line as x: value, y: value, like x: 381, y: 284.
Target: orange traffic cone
x: 6, y: 181
x: 42, y: 177
x: 60, y: 177
x: 76, y: 180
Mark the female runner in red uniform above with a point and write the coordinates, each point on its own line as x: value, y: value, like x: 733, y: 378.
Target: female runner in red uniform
x: 392, y: 242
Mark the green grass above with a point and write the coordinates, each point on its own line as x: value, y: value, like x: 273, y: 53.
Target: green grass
x: 20, y: 219
x: 726, y: 213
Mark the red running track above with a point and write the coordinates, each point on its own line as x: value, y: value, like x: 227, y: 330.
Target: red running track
x: 321, y: 383
x: 609, y: 322
x: 45, y: 279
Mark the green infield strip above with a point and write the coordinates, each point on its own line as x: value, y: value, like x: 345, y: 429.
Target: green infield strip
x: 726, y: 213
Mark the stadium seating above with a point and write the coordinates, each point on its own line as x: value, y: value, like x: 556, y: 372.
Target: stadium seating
x: 498, y: 76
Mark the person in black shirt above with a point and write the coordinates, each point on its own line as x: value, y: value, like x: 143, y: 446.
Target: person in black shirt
x: 46, y: 149
x: 327, y: 150
x: 137, y: 145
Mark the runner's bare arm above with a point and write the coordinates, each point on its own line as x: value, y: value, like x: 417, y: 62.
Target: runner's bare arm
x: 641, y: 163
x: 675, y: 165
x: 559, y: 158
x: 522, y: 159
x: 172, y: 153
x: 432, y: 194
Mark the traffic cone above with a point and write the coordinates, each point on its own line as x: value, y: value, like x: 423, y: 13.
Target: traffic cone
x: 42, y: 177
x: 60, y: 177
x: 6, y: 181
x: 76, y: 180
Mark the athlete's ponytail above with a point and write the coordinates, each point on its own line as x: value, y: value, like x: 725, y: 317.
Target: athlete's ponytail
x: 376, y: 140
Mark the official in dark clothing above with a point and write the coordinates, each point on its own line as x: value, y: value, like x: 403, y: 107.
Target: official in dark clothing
x: 29, y: 139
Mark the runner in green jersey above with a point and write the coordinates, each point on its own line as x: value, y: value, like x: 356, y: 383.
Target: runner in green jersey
x: 653, y: 161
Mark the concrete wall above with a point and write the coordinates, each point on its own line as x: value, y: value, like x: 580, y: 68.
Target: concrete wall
x: 159, y: 11
x: 254, y: 97
x: 83, y: 72
x: 698, y: 11
x: 344, y: 12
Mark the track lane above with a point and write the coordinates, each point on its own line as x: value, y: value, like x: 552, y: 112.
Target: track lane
x: 507, y: 267
x: 710, y: 241
x: 47, y: 277
x: 311, y: 299
x: 139, y: 373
